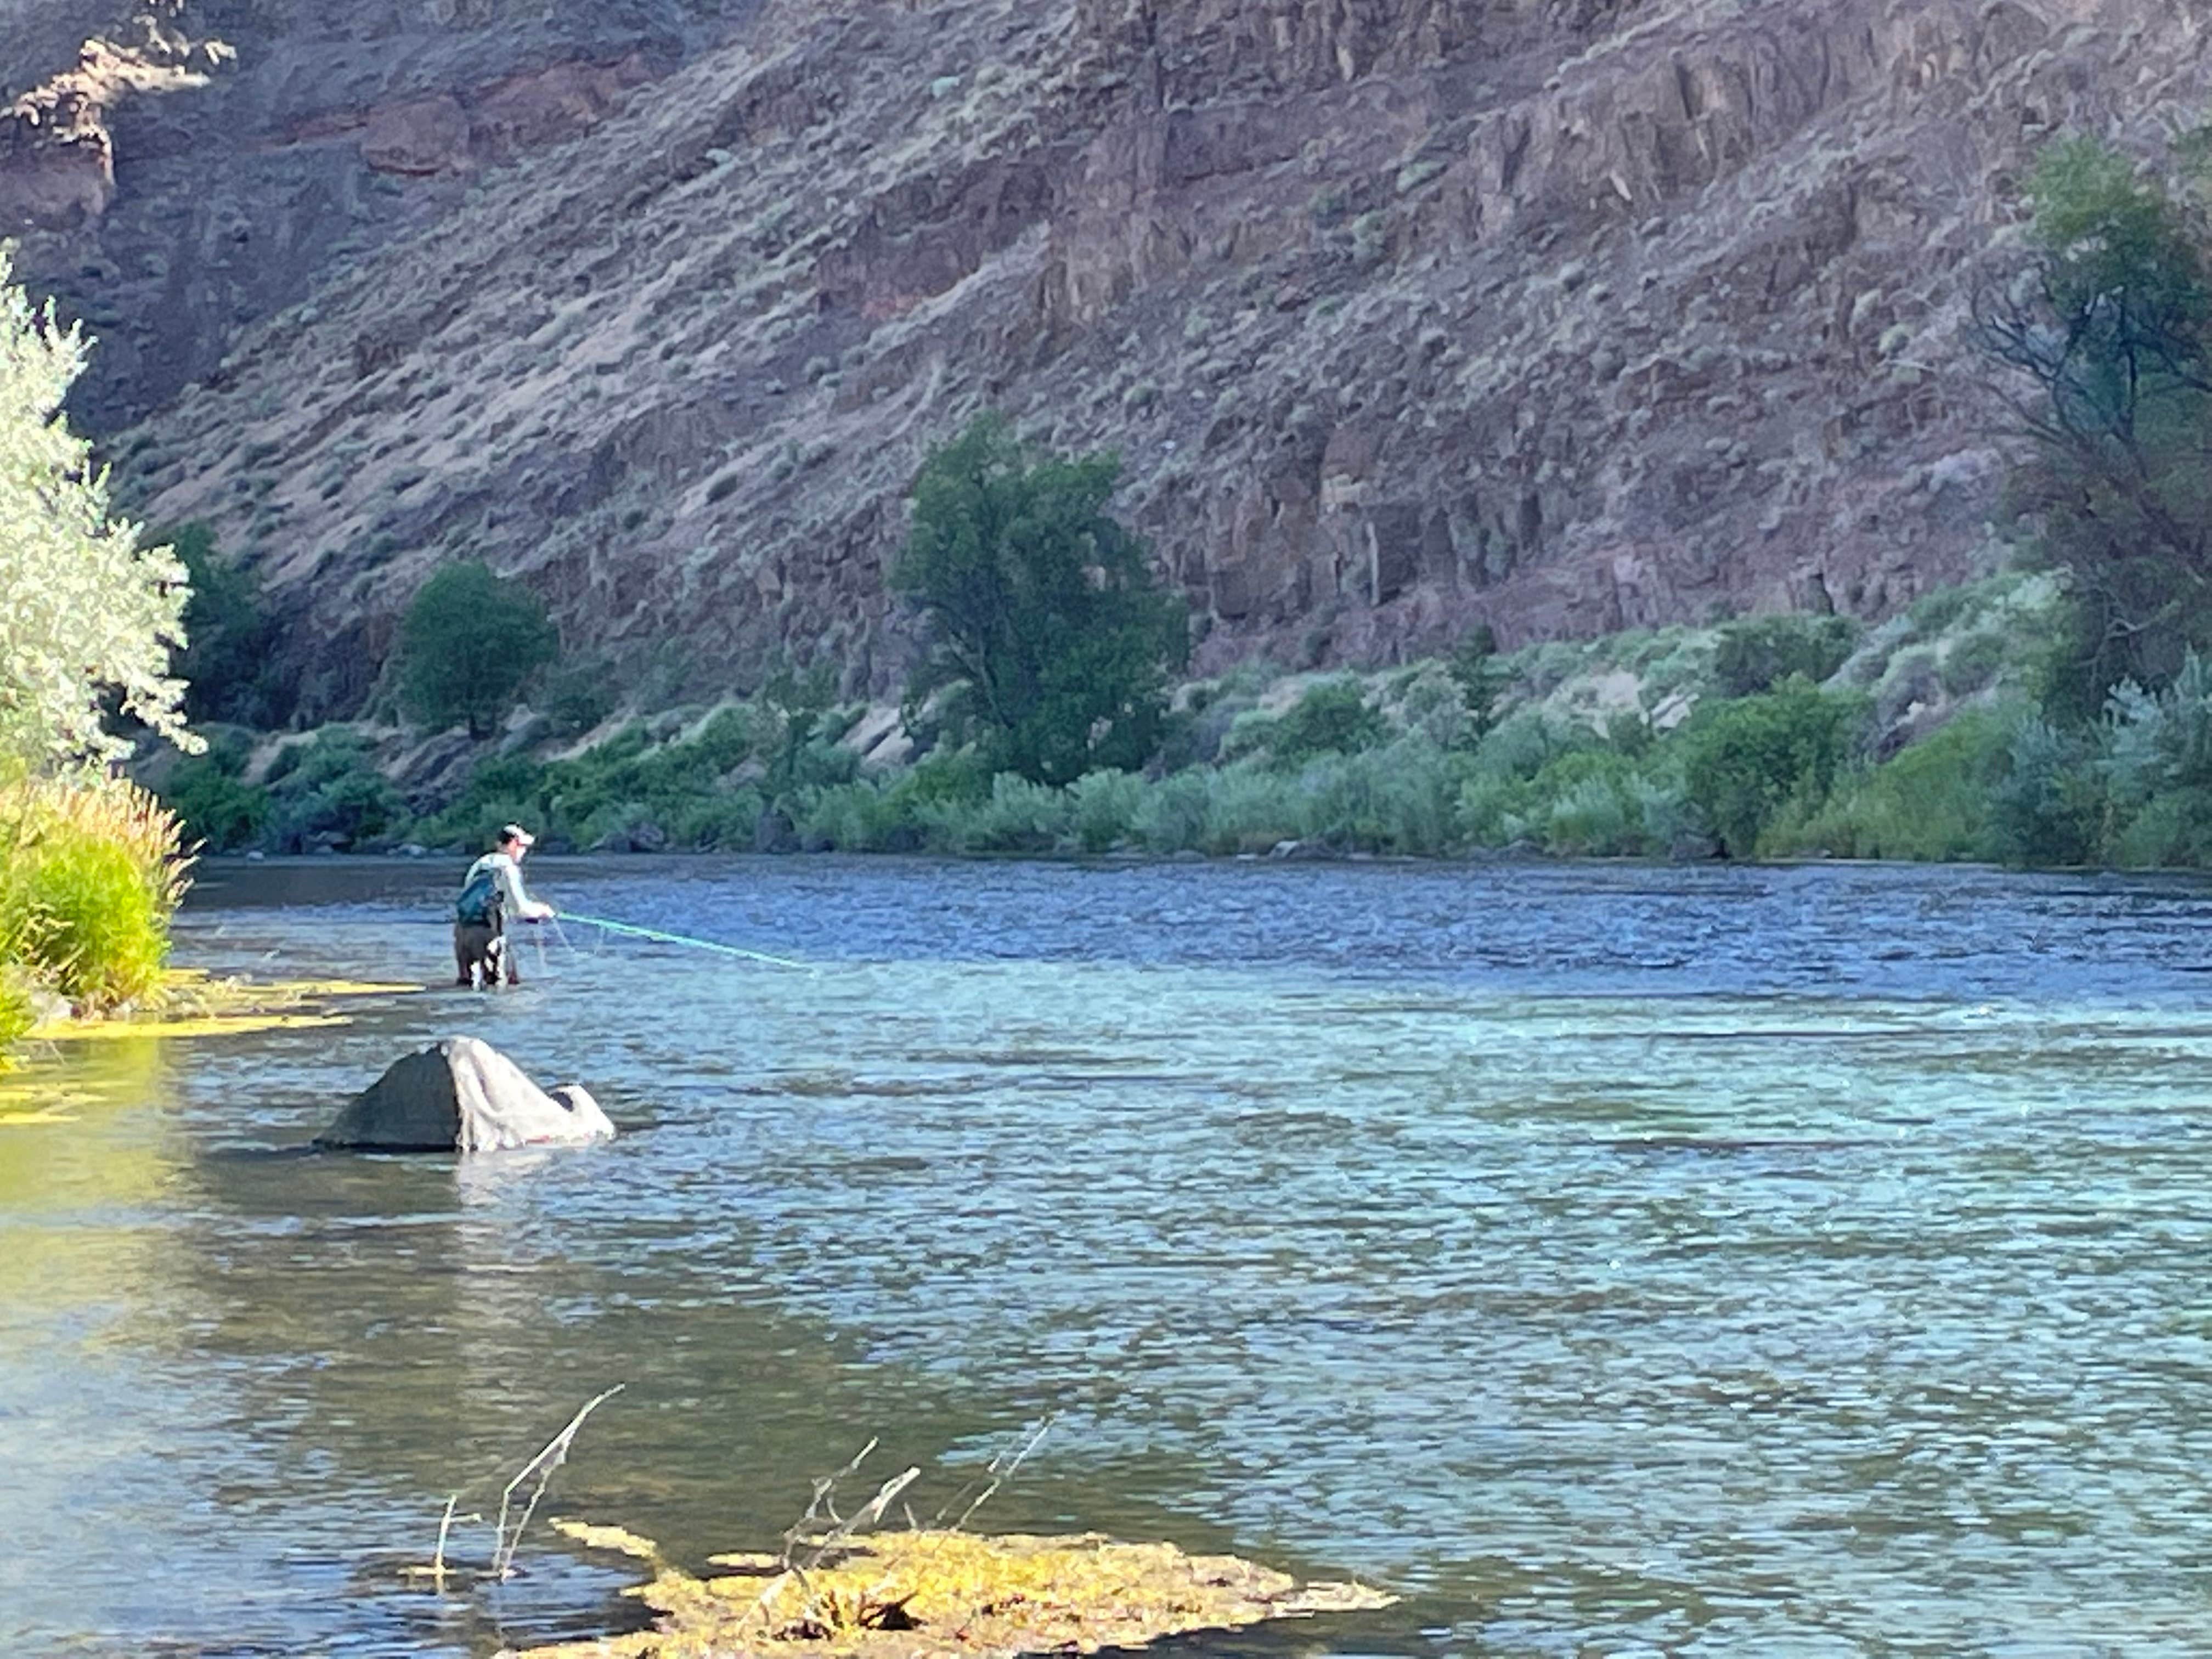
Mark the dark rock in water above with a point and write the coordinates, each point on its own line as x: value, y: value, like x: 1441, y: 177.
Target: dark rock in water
x: 463, y: 1096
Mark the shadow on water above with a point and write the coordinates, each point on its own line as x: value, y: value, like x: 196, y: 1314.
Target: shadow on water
x: 1620, y: 1259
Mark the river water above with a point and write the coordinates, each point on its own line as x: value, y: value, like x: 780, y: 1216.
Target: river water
x: 1611, y: 1260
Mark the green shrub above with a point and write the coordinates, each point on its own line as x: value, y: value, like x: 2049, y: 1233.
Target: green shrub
x: 1332, y: 717
x: 96, y: 928
x: 1481, y: 676
x: 1973, y: 663
x: 220, y: 810
x: 1931, y: 802
x: 1434, y: 704
x: 1742, y: 761
x: 1018, y: 816
x: 1587, y: 804
x: 1408, y: 797
x: 1758, y: 653
x: 2046, y: 806
x: 2169, y: 831
x: 328, y: 791
x: 1934, y: 612
x: 1663, y: 805
x: 577, y: 697
x: 1173, y: 816
x: 2155, y: 763
x: 1250, y: 808
x: 468, y: 642
x: 1105, y: 808
x: 1249, y: 731
x: 906, y: 812
x: 1528, y: 741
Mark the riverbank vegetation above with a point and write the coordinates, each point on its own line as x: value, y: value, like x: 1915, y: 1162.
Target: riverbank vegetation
x: 90, y: 867
x: 1685, y: 742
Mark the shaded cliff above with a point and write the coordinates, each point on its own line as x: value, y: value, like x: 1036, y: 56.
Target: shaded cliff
x: 1563, y: 314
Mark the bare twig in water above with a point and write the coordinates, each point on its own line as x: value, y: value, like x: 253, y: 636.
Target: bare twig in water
x: 823, y: 1503
x: 817, y: 1548
x: 437, y: 1571
x: 437, y: 1560
x: 867, y: 1514
x: 999, y: 1470
x: 555, y: 1453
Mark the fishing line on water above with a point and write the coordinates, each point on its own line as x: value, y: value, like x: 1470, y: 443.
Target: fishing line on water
x: 661, y: 937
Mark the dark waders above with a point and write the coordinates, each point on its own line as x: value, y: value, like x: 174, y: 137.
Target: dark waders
x: 482, y: 953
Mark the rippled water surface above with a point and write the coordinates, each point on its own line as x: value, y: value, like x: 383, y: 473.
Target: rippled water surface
x: 1611, y: 1260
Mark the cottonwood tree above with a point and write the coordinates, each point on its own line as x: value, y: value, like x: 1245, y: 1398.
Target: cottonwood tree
x: 469, y: 642
x: 2107, y: 335
x: 87, y: 616
x: 1050, y: 642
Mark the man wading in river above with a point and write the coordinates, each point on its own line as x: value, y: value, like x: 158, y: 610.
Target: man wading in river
x: 491, y: 893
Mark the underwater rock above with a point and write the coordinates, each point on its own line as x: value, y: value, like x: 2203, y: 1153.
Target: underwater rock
x: 464, y: 1096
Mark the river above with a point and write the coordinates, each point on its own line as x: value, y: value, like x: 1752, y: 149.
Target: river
x: 1611, y: 1260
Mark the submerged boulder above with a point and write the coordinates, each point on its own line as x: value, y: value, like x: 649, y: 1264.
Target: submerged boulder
x: 463, y: 1096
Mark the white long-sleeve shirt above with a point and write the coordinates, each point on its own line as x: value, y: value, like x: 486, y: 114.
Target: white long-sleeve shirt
x: 508, y: 874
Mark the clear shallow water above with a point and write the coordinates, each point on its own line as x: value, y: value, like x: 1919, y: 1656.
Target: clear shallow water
x: 1613, y: 1259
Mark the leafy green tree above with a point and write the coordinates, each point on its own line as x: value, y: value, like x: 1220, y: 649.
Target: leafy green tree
x: 1050, y: 642
x: 469, y: 642
x: 226, y: 666
x: 1743, y: 761
x: 89, y: 615
x: 2107, y: 339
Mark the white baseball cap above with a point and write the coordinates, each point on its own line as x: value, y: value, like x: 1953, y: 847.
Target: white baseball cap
x: 515, y: 832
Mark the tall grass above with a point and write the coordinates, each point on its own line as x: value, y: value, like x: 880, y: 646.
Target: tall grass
x: 90, y: 872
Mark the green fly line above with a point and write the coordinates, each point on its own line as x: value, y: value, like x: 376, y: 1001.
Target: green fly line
x: 660, y: 938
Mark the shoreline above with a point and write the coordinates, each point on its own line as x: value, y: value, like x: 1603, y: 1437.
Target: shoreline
x: 194, y: 1003
x: 1479, y: 857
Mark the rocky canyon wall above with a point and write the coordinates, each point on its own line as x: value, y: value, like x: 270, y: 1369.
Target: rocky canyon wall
x: 1563, y: 315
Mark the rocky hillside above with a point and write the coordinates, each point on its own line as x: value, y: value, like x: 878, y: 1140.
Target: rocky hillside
x: 1566, y: 315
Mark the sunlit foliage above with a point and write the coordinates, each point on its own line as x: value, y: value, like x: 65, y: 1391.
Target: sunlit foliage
x: 87, y: 616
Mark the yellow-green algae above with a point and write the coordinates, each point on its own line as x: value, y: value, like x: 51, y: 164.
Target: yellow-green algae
x: 187, y: 1004
x: 190, y: 1003
x: 943, y: 1594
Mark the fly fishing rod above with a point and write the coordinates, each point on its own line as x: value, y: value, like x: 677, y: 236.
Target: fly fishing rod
x: 660, y: 938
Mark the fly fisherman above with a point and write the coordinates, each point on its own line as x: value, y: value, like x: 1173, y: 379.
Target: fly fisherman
x: 491, y: 894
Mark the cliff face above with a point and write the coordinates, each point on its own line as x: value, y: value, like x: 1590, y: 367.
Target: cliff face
x: 1562, y: 314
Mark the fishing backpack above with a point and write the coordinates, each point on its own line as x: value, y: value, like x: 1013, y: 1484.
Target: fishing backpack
x: 478, y: 904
